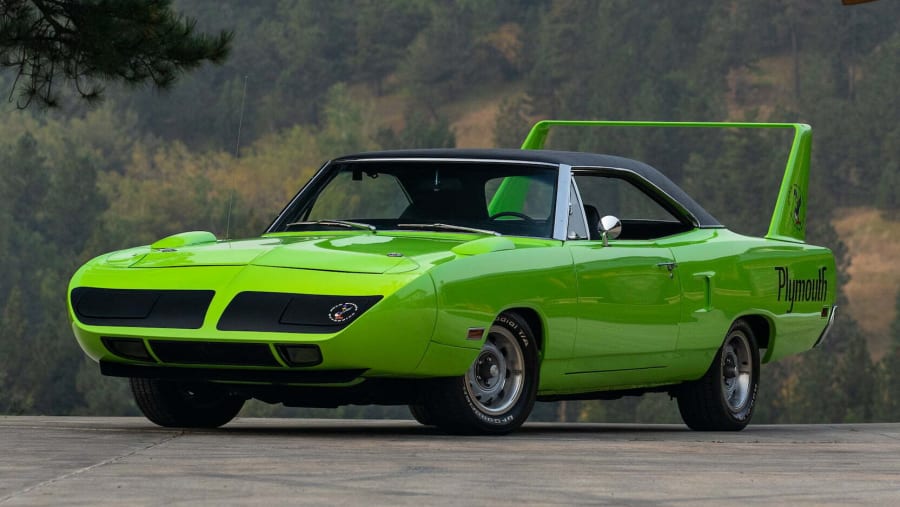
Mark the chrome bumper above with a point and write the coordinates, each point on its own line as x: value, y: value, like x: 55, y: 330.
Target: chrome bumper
x: 828, y: 327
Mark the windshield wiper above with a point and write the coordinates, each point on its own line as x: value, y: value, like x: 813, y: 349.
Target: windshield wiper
x: 448, y: 227
x: 338, y: 223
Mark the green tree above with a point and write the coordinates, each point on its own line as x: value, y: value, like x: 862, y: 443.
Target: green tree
x: 439, y: 63
x: 15, y: 393
x: 513, y: 121
x: 348, y: 124
x: 87, y: 43
x: 736, y: 175
x: 379, y: 48
x: 103, y: 396
x: 24, y: 180
x: 38, y: 355
x: 419, y: 131
x: 833, y: 383
x: 314, y: 41
x: 887, y: 405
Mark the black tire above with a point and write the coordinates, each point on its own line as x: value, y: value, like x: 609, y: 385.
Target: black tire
x: 497, y: 394
x: 724, y: 398
x: 184, y: 405
x: 421, y: 414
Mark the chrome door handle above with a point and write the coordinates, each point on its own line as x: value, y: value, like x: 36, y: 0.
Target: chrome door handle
x: 670, y: 266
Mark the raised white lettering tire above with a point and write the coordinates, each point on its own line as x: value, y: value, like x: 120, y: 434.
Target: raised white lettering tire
x: 497, y: 393
x: 724, y: 398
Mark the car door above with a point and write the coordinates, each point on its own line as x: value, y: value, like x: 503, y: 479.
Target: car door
x: 629, y: 292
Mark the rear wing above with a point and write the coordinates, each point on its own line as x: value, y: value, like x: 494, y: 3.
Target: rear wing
x: 789, y: 217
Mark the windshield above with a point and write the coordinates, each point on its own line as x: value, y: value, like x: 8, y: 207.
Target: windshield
x: 478, y: 197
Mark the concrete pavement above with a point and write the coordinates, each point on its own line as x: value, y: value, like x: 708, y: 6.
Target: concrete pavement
x: 129, y: 461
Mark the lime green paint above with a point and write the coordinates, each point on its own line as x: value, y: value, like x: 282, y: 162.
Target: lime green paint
x: 483, y: 245
x: 408, y: 299
x: 788, y: 221
x: 637, y: 326
x: 445, y: 360
x: 185, y: 239
x: 633, y: 314
x: 611, y: 318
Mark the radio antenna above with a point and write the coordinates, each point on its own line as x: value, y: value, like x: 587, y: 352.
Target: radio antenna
x: 237, y: 156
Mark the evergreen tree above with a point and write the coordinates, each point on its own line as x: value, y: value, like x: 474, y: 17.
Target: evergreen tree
x: 513, y: 121
x: 419, y: 131
x: 887, y: 405
x: 87, y: 43
x: 146, y: 165
x: 15, y: 393
x: 439, y: 63
x: 384, y: 29
x: 49, y: 212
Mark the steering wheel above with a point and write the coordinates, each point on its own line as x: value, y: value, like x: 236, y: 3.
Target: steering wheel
x: 516, y: 214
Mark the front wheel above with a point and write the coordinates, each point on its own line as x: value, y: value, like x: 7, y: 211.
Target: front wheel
x: 421, y: 414
x: 497, y: 393
x: 724, y: 398
x: 185, y: 404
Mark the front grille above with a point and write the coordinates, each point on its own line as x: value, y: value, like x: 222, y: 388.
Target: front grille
x: 293, y: 313
x: 183, y: 309
x: 213, y: 353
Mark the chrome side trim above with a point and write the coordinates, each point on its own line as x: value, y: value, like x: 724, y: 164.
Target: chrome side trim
x: 561, y: 214
x: 579, y: 210
x: 438, y: 159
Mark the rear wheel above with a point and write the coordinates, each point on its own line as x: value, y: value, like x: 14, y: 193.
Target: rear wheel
x: 497, y: 393
x: 184, y: 404
x: 724, y: 398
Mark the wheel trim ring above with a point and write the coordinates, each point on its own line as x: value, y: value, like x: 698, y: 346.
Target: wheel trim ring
x: 510, y: 379
x: 737, y: 372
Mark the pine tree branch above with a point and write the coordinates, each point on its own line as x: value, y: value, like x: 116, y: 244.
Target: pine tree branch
x: 87, y: 42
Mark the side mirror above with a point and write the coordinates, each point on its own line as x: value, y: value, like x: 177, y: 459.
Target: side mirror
x: 610, y: 227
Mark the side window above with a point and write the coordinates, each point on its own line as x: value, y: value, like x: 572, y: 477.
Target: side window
x: 642, y: 217
x: 369, y: 197
x: 528, y: 195
x: 577, y: 225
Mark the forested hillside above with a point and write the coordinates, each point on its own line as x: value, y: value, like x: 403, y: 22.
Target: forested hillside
x: 309, y: 80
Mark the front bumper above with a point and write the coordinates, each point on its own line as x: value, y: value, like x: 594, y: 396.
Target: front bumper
x: 392, y: 338
x: 292, y: 376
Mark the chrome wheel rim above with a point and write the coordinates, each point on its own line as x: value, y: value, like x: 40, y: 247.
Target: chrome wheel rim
x: 496, y: 379
x: 737, y: 371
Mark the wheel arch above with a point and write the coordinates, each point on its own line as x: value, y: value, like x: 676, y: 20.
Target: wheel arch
x: 534, y: 321
x: 762, y: 327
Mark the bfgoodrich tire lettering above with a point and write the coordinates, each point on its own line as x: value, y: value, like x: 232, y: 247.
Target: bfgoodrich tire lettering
x: 184, y: 405
x: 497, y: 394
x: 724, y: 398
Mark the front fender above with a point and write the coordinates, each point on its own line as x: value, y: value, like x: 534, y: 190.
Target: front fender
x: 472, y: 291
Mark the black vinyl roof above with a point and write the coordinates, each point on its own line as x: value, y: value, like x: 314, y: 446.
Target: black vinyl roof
x: 571, y: 158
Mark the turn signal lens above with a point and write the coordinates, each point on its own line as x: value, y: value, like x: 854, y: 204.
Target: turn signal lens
x: 128, y: 348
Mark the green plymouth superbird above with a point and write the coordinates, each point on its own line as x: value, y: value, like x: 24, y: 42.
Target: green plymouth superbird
x: 466, y: 284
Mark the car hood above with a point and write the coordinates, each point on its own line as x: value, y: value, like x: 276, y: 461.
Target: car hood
x: 355, y: 253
